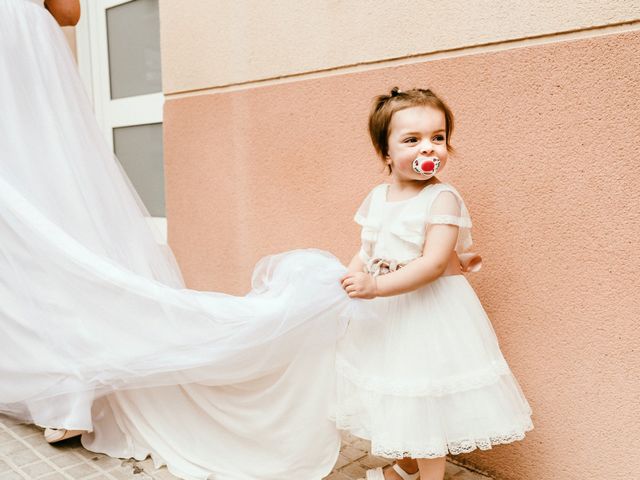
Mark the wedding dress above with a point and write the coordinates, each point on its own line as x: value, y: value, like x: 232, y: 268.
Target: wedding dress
x: 97, y: 330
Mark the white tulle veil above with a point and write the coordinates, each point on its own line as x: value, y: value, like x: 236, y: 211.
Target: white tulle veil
x: 97, y: 329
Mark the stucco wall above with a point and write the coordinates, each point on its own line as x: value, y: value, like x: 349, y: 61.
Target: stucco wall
x: 547, y: 138
x: 209, y: 43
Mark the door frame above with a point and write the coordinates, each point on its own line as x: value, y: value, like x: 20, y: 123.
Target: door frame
x: 93, y: 64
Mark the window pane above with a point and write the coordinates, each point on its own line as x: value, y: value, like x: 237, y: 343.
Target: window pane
x: 139, y: 149
x: 133, y: 32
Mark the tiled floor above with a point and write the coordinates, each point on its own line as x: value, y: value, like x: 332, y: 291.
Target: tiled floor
x: 24, y: 455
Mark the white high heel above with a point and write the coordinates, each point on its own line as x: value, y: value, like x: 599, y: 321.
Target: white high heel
x: 55, y: 435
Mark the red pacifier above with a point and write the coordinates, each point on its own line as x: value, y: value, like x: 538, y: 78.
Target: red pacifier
x: 426, y: 166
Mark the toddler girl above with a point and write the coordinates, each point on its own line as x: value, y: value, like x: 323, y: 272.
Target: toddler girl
x: 428, y: 377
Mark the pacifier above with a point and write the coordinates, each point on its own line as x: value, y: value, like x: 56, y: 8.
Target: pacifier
x: 426, y: 166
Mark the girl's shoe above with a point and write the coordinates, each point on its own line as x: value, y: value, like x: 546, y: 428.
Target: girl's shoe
x: 55, y: 435
x: 378, y: 474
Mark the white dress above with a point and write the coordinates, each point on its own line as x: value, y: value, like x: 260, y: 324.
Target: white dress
x: 97, y: 330
x: 427, y: 377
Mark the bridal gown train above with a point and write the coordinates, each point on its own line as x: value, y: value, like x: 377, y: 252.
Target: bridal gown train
x: 97, y: 330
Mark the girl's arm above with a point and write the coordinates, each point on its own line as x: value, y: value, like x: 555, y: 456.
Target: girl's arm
x: 66, y: 12
x: 440, y: 242
x: 356, y: 264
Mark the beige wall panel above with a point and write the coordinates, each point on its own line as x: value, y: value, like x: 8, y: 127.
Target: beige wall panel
x: 211, y: 43
x: 548, y: 141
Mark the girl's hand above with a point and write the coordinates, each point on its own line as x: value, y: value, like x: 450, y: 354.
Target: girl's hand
x: 359, y: 285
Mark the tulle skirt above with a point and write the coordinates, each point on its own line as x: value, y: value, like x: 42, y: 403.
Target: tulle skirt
x: 427, y: 378
x: 97, y: 331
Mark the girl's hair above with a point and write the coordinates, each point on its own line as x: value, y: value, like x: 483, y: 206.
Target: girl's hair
x: 384, y: 106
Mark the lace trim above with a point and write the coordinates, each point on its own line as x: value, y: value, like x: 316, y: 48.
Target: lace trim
x: 452, y: 447
x: 382, y: 448
x: 415, y: 388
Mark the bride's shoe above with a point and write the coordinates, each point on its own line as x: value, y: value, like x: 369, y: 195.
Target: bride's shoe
x: 55, y: 435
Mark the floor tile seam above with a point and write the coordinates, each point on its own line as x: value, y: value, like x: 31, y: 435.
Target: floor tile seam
x: 7, y: 430
x: 43, y: 458
x: 105, y: 473
x: 13, y: 432
x: 29, y: 447
x: 60, y: 470
x: 19, y: 469
x: 111, y: 477
x: 98, y: 469
x: 14, y: 467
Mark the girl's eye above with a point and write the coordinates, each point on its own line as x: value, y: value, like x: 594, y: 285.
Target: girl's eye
x: 410, y: 140
x: 439, y: 138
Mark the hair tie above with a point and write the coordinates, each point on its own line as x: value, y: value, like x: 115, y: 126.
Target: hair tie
x: 395, y: 91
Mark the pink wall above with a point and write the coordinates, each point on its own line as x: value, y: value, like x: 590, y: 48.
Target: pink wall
x: 548, y: 164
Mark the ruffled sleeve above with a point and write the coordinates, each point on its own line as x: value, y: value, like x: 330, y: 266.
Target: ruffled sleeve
x: 363, y: 210
x: 448, y: 208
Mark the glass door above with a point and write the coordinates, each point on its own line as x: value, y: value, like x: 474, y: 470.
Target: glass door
x: 118, y: 45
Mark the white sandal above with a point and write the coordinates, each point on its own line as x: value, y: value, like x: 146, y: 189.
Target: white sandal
x: 55, y: 435
x: 378, y: 474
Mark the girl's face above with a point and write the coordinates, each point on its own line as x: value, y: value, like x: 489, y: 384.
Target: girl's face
x: 415, y: 132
